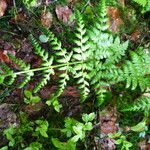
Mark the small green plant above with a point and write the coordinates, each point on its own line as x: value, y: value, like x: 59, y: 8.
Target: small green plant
x: 54, y: 102
x: 75, y: 131
x: 30, y: 3
x: 29, y: 98
x: 39, y: 129
x: 120, y: 140
x: 34, y: 146
x: 16, y: 134
x: 69, y: 145
x: 42, y: 128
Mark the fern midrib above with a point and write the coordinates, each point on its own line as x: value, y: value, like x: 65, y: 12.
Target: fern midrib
x: 44, y: 68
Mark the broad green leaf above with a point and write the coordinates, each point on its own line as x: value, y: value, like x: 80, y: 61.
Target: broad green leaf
x: 127, y: 145
x: 88, y: 126
x: 119, y: 141
x: 34, y: 146
x: 35, y: 99
x: 114, y: 135
x: 58, y: 144
x: 88, y: 117
x: 1, y: 79
x: 4, y: 148
x: 49, y: 102
x: 28, y: 93
x: 139, y: 127
x: 75, y: 138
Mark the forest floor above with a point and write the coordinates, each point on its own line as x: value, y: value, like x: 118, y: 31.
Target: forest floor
x: 17, y: 22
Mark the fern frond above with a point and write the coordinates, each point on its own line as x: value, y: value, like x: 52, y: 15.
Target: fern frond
x: 47, y: 62
x: 107, y: 53
x: 24, y: 67
x: 81, y: 53
x: 102, y: 23
x: 135, y: 71
x: 62, y: 57
x: 141, y: 104
x: 99, y: 36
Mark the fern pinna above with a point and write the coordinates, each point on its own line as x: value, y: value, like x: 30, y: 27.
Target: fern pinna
x: 97, y: 61
x: 141, y: 104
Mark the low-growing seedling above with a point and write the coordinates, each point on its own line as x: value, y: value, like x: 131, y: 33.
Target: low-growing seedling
x: 29, y: 98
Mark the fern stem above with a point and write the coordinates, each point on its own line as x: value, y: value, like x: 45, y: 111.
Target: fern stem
x: 44, y: 68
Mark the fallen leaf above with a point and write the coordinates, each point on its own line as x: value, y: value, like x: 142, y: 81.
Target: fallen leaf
x: 46, y: 19
x: 33, y: 109
x: 114, y: 19
x: 3, y: 6
x: 135, y: 35
x: 69, y: 91
x: 4, y: 57
x: 63, y: 13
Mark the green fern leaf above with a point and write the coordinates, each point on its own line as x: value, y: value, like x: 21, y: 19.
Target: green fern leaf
x: 135, y: 70
x: 81, y: 53
x: 141, y: 2
x: 24, y: 67
x: 141, y: 104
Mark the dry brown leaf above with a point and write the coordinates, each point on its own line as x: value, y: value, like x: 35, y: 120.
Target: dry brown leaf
x: 46, y: 19
x: 3, y: 6
x: 115, y: 21
x: 135, y: 35
x: 3, y: 57
x: 34, y: 108
x: 69, y: 91
x: 63, y: 13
